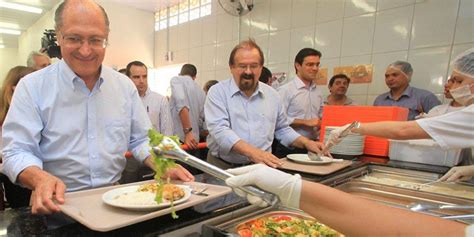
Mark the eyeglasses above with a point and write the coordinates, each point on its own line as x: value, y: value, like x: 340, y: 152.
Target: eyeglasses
x: 244, y: 67
x: 76, y: 42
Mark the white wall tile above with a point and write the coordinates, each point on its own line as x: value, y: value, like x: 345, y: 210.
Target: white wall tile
x: 357, y: 35
x: 380, y: 62
x: 392, y: 29
x: 195, y: 57
x: 223, y: 51
x: 388, y: 4
x: 173, y: 38
x: 433, y: 24
x: 245, y: 25
x: 160, y: 41
x: 206, y: 76
x: 195, y: 33
x: 225, y: 27
x: 359, y: 7
x: 301, y: 38
x: 457, y: 49
x: 278, y: 50
x: 280, y: 15
x: 429, y: 67
x: 303, y: 13
x: 465, y: 23
x: 328, y: 38
x: 371, y: 99
x: 209, y: 27
x: 180, y: 56
x: 279, y: 67
x: 329, y: 10
x: 183, y: 37
x: 223, y: 74
x: 208, y: 57
x: 260, y: 16
x: 262, y: 41
x: 356, y: 89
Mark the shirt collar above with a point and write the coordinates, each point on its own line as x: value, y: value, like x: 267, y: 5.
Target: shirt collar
x: 72, y: 78
x: 234, y: 89
x: 408, y: 92
x: 147, y: 92
x: 300, y: 84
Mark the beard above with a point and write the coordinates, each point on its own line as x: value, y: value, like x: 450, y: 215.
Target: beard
x: 247, y: 82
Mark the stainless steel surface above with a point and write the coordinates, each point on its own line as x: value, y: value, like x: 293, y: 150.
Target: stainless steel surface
x: 169, y: 149
x: 200, y: 192
x: 429, y: 206
x: 396, y: 196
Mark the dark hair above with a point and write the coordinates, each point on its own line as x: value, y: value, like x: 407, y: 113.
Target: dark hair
x: 58, y: 16
x: 303, y: 53
x: 266, y: 74
x: 188, y: 70
x: 209, y: 84
x: 123, y: 71
x: 246, y: 44
x: 343, y: 76
x: 134, y: 63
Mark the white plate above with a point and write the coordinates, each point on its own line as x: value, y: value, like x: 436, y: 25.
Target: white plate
x: 303, y: 158
x: 110, y: 198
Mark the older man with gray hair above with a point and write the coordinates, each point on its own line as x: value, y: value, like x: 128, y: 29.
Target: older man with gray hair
x: 38, y: 60
x: 397, y: 77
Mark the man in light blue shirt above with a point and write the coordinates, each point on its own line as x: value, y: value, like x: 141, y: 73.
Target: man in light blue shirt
x: 187, y: 106
x: 243, y: 116
x: 70, y: 124
x: 302, y: 100
x: 397, y: 77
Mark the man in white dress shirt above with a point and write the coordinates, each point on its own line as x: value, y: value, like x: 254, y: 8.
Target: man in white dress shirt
x: 302, y: 100
x: 158, y: 111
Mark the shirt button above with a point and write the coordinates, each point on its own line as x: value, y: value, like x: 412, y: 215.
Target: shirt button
x: 91, y: 137
x: 93, y: 156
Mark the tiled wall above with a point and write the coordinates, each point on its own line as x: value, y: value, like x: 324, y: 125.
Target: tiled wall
x: 427, y: 33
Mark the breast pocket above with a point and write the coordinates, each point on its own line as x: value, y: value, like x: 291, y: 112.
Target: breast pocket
x: 116, y: 135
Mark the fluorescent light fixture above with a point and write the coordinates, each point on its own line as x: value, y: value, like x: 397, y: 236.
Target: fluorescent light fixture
x: 1, y: 47
x: 21, y: 7
x: 9, y: 31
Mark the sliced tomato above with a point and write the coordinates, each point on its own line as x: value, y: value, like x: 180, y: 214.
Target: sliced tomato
x: 282, y: 218
x: 245, y: 233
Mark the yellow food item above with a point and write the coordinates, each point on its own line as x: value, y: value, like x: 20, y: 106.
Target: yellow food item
x: 172, y: 192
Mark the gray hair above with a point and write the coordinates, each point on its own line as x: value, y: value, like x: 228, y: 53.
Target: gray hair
x: 30, y: 62
x: 405, y: 67
x: 58, y: 16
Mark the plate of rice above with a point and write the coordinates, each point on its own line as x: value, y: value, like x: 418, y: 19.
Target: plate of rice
x: 138, y: 198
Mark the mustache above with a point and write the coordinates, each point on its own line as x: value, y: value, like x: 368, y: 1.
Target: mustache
x: 248, y: 76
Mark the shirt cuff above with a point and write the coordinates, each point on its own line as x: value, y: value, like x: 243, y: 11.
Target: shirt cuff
x: 226, y: 140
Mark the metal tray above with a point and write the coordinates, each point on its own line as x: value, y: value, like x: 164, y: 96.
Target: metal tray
x: 229, y: 228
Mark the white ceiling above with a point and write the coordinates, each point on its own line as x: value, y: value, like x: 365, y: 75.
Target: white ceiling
x: 14, y: 19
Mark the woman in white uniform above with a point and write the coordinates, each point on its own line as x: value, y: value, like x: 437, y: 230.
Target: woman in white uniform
x: 355, y: 216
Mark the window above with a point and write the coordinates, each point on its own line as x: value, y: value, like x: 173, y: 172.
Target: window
x: 186, y: 10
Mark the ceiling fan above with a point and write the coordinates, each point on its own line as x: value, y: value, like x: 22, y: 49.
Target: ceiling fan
x: 236, y: 7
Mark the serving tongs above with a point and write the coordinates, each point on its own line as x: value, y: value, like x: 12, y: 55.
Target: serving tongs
x: 425, y: 207
x: 327, y: 146
x: 169, y: 149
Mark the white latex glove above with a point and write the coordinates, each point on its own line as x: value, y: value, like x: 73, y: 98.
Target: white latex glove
x: 421, y: 115
x: 334, y: 138
x: 458, y: 173
x: 287, y: 187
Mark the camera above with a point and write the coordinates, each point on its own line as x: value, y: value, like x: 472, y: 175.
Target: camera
x: 49, y: 45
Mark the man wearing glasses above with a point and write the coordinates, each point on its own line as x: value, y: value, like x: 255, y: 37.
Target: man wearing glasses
x: 243, y: 116
x: 70, y: 124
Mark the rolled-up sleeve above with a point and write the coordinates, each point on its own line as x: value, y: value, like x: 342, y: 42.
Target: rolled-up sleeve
x: 283, y: 132
x: 218, y: 121
x: 21, y: 134
x: 178, y: 92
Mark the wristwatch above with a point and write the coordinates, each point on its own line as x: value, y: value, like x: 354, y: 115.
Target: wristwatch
x: 187, y: 130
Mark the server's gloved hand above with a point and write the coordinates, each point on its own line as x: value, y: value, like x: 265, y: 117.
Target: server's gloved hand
x: 287, y: 187
x: 459, y: 173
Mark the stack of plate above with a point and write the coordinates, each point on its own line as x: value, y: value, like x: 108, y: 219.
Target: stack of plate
x: 352, y: 144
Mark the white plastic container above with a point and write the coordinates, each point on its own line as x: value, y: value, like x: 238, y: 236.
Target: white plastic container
x: 425, y: 151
